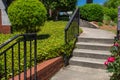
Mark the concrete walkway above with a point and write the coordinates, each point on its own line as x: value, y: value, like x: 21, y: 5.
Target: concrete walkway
x: 73, y: 72
x: 96, y: 33
x: 81, y: 73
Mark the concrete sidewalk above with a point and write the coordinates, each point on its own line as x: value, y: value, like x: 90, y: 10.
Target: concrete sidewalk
x: 81, y: 73
x: 96, y: 33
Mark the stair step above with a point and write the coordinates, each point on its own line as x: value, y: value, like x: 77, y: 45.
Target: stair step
x: 96, y: 40
x: 98, y: 54
x: 87, y: 62
x: 93, y: 46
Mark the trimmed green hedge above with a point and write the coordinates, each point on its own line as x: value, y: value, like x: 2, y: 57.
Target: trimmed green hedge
x: 92, y: 12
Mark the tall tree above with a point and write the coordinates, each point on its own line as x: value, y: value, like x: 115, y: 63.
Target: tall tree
x: 89, y: 1
x: 55, y: 6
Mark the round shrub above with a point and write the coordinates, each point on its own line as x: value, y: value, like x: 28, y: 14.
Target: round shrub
x: 27, y: 15
x: 110, y: 12
x: 92, y: 12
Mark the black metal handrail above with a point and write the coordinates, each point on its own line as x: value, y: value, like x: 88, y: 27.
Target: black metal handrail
x: 19, y: 52
x: 72, y: 28
x: 118, y: 25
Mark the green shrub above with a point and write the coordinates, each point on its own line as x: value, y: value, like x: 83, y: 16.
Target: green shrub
x: 116, y: 20
x: 92, y: 12
x: 27, y: 14
x: 80, y: 30
x: 100, y: 24
x: 113, y: 62
x: 106, y: 20
x: 112, y: 23
x: 110, y: 12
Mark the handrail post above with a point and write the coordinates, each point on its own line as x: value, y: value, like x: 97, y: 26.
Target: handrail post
x: 25, y: 51
x: 78, y: 20
x: 118, y: 25
x: 35, y: 55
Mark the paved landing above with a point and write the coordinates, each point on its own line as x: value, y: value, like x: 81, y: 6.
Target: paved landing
x: 81, y: 73
x: 96, y: 33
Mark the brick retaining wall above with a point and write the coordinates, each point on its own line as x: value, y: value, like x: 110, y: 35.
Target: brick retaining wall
x: 45, y: 70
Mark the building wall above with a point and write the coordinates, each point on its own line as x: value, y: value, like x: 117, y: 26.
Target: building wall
x: 5, y: 29
x: 4, y: 20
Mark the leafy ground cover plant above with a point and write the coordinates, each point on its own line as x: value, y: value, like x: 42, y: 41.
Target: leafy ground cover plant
x: 113, y: 62
x: 50, y: 44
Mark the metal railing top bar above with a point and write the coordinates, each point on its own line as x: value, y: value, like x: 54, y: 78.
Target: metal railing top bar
x: 68, y: 25
x: 9, y: 40
x: 13, y: 38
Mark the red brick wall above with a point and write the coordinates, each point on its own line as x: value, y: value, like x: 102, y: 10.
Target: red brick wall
x: 45, y: 70
x: 5, y: 29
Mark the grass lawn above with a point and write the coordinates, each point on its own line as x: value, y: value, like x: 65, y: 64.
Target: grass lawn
x: 49, y: 44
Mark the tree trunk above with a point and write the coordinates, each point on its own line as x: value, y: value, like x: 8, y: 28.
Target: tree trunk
x: 50, y: 13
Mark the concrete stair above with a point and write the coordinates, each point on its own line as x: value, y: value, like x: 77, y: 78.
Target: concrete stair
x: 87, y: 53
x: 87, y: 62
x: 100, y: 40
x: 91, y: 52
x: 93, y: 46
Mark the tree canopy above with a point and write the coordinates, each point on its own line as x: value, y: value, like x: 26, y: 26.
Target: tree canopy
x: 60, y: 4
x: 54, y: 7
x: 112, y: 3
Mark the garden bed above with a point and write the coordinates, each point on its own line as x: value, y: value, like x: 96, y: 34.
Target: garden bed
x: 50, y: 44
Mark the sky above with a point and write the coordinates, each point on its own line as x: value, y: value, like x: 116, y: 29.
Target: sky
x: 82, y: 2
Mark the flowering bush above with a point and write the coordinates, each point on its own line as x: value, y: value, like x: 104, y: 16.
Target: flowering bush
x: 113, y: 62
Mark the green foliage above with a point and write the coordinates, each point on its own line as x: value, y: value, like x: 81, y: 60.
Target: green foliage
x: 27, y: 15
x: 111, y: 12
x: 60, y: 4
x: 106, y: 20
x: 80, y: 30
x: 2, y: 68
x: 112, y: 23
x: 100, y: 24
x: 54, y: 7
x: 50, y: 44
x: 92, y: 12
x: 116, y: 20
x: 113, y: 62
x: 112, y: 3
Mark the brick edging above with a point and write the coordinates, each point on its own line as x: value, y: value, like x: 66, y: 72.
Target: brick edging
x: 45, y: 70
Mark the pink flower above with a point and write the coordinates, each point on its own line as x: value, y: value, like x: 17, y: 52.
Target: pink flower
x: 106, y: 63
x: 116, y: 44
x: 111, y: 59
